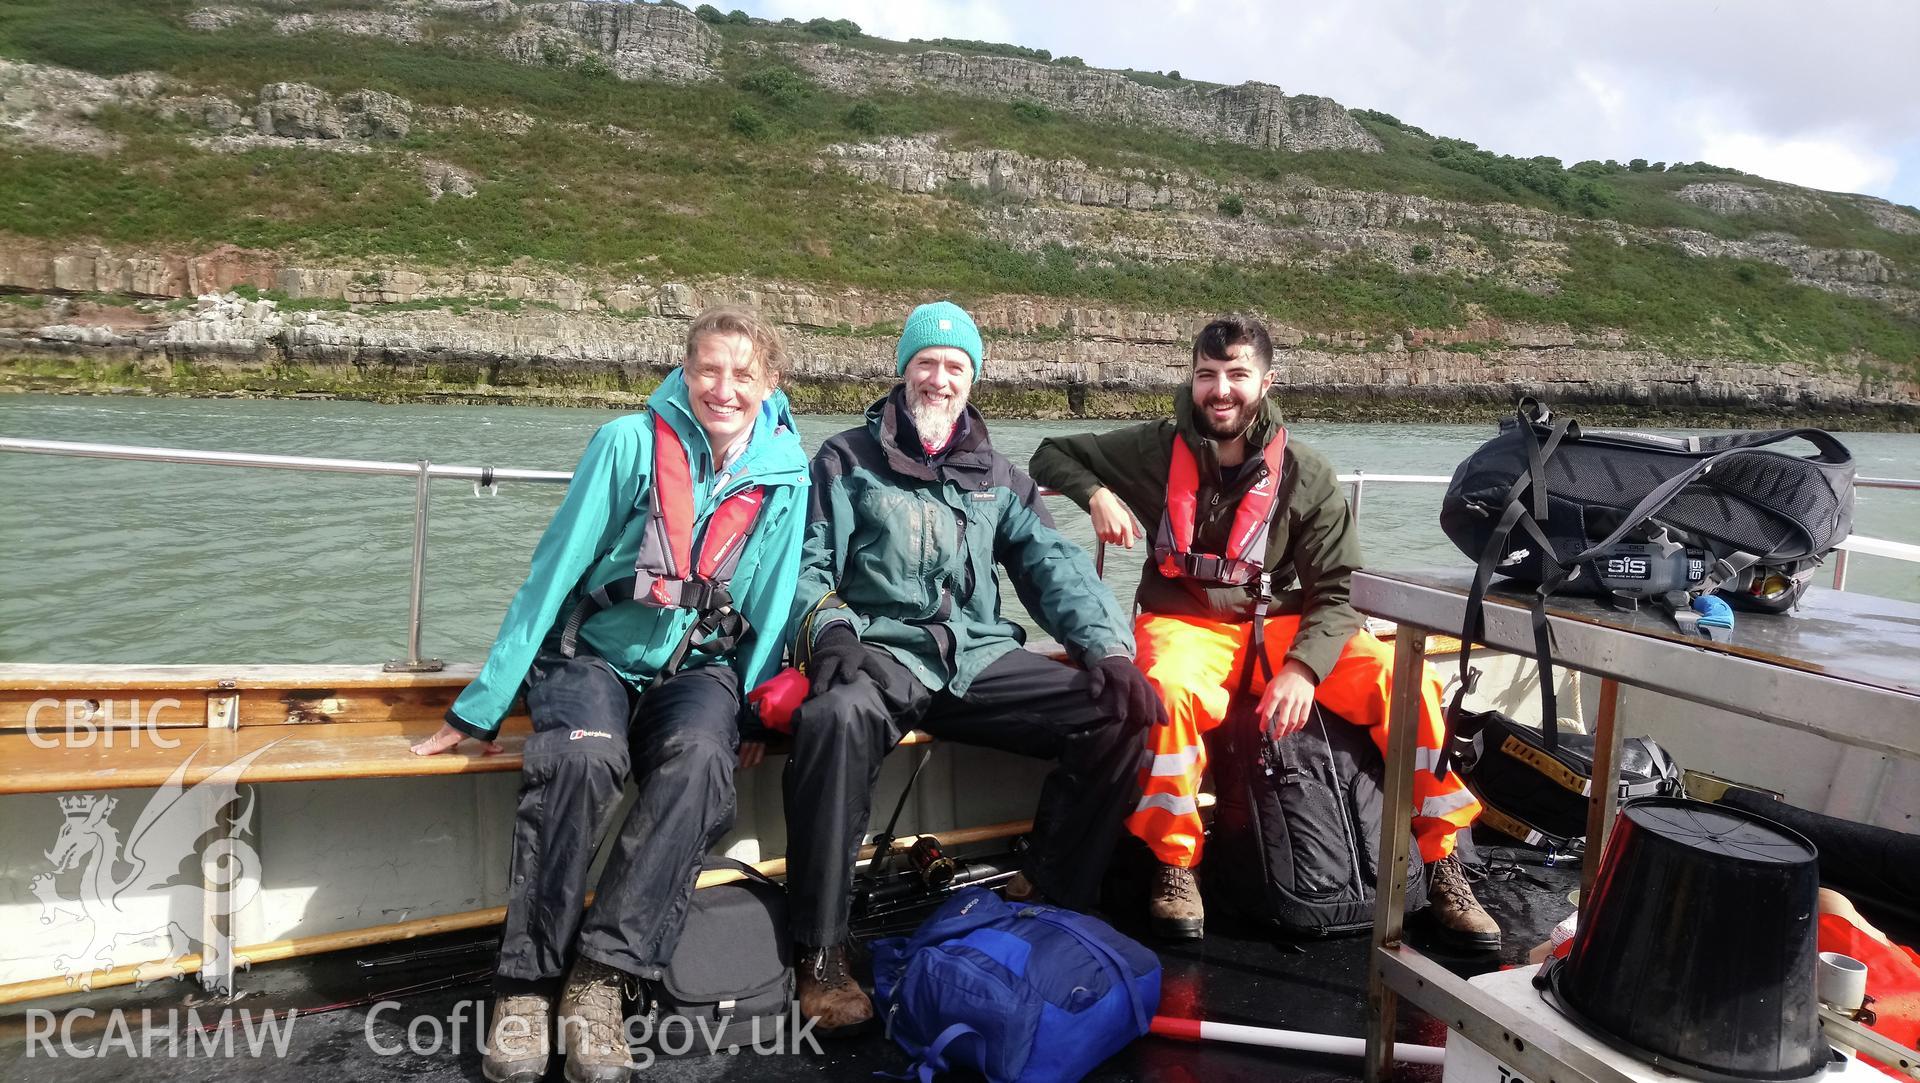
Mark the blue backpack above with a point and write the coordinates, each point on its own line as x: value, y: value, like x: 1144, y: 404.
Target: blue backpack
x: 1017, y: 992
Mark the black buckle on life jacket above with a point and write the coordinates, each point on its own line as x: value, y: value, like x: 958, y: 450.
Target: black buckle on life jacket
x: 1213, y: 568
x: 705, y: 597
x: 713, y: 635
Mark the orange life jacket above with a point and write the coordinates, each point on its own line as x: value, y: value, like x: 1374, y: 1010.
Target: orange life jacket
x: 668, y: 572
x: 1252, y: 521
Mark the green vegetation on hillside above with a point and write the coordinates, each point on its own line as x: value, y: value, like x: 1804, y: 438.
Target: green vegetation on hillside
x: 724, y: 182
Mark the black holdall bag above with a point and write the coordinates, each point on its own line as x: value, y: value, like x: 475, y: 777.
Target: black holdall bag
x: 1629, y: 516
x: 730, y: 981
x: 1296, y: 823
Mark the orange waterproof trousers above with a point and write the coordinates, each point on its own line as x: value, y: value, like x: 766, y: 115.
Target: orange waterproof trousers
x: 1194, y: 665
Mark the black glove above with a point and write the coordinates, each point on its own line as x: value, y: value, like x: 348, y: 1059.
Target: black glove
x: 838, y: 654
x: 1121, y: 690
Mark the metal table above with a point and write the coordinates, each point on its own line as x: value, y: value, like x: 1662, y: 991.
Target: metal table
x: 1844, y: 666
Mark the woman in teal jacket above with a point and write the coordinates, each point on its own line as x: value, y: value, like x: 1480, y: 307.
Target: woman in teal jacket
x: 629, y: 640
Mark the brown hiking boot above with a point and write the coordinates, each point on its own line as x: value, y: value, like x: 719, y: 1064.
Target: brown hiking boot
x: 1454, y: 913
x: 1175, y: 911
x: 593, y: 1032
x: 520, y: 1039
x: 827, y: 992
x: 1020, y: 890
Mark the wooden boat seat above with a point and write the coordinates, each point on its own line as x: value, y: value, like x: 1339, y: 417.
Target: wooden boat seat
x: 100, y: 727
x: 93, y: 727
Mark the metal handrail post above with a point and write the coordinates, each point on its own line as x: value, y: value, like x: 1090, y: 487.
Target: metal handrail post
x: 1359, y: 490
x: 1839, y: 569
x: 413, y: 663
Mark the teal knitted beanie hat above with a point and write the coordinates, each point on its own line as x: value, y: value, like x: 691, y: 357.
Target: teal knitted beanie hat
x: 941, y: 323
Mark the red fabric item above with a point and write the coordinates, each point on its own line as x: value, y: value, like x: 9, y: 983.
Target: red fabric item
x: 726, y: 533
x: 1893, y: 981
x: 778, y: 697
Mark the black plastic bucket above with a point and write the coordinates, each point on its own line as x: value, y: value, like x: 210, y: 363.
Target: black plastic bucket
x: 1696, y: 952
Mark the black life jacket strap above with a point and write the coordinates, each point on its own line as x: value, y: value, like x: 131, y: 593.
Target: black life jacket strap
x: 1530, y: 514
x: 1211, y: 567
x: 711, y: 637
x: 706, y: 598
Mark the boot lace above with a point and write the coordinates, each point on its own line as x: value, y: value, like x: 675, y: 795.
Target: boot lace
x: 829, y: 966
x: 1176, y: 884
x: 534, y: 1009
x: 1452, y: 881
x: 597, y: 996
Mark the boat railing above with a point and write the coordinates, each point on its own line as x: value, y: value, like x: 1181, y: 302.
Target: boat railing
x: 490, y: 478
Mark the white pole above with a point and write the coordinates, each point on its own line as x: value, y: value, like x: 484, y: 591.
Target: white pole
x: 1297, y: 1040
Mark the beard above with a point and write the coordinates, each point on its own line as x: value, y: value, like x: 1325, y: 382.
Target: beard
x: 1234, y: 426
x: 935, y: 421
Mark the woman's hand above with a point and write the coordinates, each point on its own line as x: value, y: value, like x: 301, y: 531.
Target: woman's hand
x: 1112, y: 522
x: 446, y: 738
x: 751, y: 753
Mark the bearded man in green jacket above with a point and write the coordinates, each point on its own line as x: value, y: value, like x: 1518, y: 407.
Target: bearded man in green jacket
x: 897, y: 622
x: 1253, y: 554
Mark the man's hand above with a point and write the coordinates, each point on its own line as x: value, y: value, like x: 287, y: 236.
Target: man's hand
x: 838, y: 654
x: 1121, y: 690
x: 1112, y: 522
x: 1288, y: 700
x: 446, y: 738
x: 751, y: 753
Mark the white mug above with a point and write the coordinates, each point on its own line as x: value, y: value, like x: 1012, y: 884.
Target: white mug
x: 1841, y: 981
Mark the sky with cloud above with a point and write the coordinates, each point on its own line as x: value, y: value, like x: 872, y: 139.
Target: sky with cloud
x: 1822, y: 95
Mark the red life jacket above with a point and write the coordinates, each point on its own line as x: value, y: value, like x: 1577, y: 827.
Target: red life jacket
x: 1252, y: 520
x: 668, y: 573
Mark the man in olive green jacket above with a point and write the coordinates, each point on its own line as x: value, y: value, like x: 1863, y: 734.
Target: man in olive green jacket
x: 1245, y: 522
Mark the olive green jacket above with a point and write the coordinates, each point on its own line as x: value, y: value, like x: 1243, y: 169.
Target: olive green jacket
x: 1312, y: 550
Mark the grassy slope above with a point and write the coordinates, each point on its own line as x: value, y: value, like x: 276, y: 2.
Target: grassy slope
x: 701, y: 199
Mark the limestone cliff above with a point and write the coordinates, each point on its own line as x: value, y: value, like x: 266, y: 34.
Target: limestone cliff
x: 1391, y: 274
x: 572, y: 340
x: 1252, y: 113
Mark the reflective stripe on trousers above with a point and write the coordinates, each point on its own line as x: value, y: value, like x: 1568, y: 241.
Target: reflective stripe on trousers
x: 1193, y: 663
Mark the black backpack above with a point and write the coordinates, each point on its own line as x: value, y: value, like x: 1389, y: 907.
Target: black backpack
x: 1296, y: 823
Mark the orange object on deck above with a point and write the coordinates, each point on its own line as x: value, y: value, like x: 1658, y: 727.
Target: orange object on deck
x: 1194, y: 664
x: 1893, y: 980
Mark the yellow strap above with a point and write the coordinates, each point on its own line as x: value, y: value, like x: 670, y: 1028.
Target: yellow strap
x: 805, y: 639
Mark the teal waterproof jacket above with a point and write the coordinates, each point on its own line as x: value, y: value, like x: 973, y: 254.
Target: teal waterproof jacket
x: 595, y: 536
x: 907, y: 548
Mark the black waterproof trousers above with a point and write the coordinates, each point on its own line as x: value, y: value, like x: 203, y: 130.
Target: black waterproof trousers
x: 681, y: 744
x: 1021, y: 703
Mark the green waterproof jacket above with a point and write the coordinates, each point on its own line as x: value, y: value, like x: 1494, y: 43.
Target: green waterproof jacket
x: 907, y: 548
x: 595, y: 536
x: 1312, y: 550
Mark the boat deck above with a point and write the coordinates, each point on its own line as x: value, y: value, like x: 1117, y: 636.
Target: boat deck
x: 1233, y: 976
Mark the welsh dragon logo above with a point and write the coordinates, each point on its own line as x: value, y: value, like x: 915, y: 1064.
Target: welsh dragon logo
x: 152, y: 887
